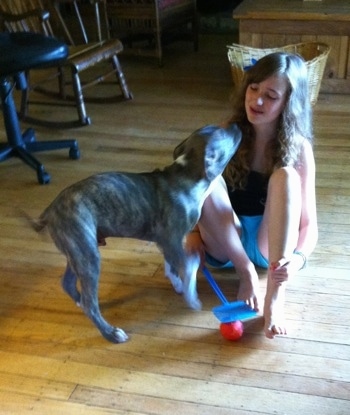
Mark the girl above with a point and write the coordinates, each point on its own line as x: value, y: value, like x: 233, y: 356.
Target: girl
x: 263, y: 210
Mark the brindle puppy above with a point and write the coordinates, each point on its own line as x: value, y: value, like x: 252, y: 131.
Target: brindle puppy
x: 160, y: 206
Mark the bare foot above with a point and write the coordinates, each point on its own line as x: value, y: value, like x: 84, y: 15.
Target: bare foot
x: 273, y: 328
x: 249, y: 289
x: 274, y: 310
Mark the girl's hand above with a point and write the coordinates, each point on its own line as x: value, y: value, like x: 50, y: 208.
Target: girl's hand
x: 283, y: 269
x: 249, y: 287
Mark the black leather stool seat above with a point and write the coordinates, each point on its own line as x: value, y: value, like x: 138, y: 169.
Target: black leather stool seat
x: 24, y: 51
x: 21, y: 52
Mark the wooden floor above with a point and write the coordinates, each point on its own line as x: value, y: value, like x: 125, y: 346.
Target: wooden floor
x: 54, y: 361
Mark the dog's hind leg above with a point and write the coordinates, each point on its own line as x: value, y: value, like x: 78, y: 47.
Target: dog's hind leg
x: 85, y: 266
x: 69, y: 284
x: 90, y: 305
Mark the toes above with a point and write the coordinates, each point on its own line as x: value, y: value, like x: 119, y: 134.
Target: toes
x: 279, y: 330
x: 274, y: 330
x: 197, y: 305
x: 194, y: 303
x: 176, y: 282
x: 177, y: 285
x: 282, y: 331
x: 120, y: 335
x: 117, y: 335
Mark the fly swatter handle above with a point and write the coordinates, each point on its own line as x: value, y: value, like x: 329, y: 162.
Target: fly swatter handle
x: 214, y: 285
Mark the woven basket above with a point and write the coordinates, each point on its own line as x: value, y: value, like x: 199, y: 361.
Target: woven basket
x: 315, y: 55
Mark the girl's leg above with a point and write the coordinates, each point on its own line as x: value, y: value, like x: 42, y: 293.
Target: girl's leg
x: 220, y: 232
x: 278, y: 237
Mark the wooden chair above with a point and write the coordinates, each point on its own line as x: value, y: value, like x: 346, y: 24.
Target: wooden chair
x: 64, y: 19
x: 132, y: 20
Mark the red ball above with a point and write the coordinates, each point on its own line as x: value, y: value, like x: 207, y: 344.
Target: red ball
x: 232, y: 331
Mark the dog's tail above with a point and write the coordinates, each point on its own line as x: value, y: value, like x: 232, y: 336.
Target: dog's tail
x: 38, y: 224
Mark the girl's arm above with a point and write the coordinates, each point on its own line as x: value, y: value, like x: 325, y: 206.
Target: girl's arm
x: 308, y: 230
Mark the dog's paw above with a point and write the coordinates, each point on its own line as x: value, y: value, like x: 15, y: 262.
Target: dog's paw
x: 177, y: 284
x: 117, y: 335
x: 175, y: 280
x: 194, y: 303
x: 120, y: 335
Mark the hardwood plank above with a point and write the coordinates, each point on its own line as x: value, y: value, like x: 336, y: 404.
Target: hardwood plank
x: 185, y: 389
x: 148, y: 404
x: 25, y: 404
x: 35, y: 386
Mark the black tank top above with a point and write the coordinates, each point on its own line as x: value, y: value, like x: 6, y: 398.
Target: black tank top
x: 251, y: 200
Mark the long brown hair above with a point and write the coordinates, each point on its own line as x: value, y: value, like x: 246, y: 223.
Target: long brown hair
x: 295, y: 123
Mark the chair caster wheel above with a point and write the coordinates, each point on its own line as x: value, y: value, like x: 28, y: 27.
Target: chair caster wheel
x: 74, y: 153
x: 43, y: 177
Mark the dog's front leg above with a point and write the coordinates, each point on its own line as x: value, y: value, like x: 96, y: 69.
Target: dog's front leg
x: 181, y: 268
x: 187, y: 286
x: 174, y: 277
x: 192, y: 263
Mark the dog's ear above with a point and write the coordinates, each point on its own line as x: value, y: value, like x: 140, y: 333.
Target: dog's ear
x: 221, y: 146
x: 212, y: 165
x: 197, y: 139
x: 179, y: 150
x: 209, y: 148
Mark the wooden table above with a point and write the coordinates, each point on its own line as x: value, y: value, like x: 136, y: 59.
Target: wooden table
x: 273, y: 23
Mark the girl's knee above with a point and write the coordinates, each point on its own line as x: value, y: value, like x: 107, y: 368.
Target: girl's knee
x: 217, y: 200
x: 285, y: 177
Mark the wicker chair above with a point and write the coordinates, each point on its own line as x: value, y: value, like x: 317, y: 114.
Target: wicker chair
x: 139, y: 20
x: 315, y: 54
x: 67, y: 23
